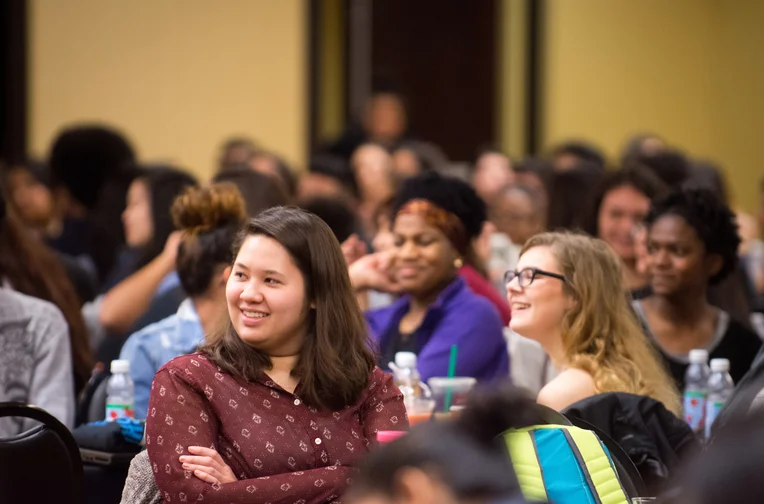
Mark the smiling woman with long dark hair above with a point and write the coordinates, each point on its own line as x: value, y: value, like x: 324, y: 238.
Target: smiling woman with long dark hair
x: 284, y: 402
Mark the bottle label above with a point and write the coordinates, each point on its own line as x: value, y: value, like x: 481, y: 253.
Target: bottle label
x: 712, y: 411
x: 694, y: 409
x: 116, y: 410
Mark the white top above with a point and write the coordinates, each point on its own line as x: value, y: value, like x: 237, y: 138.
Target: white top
x: 698, y: 356
x: 405, y: 359
x: 120, y: 366
x: 720, y: 365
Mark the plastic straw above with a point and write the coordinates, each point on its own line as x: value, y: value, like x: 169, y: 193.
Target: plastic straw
x: 451, y: 374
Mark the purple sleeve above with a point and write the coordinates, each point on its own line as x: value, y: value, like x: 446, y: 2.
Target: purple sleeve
x: 477, y: 330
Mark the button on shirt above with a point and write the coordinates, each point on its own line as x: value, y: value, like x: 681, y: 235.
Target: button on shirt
x: 153, y: 346
x: 280, y: 452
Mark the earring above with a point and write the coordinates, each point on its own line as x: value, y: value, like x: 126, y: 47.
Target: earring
x: 458, y: 263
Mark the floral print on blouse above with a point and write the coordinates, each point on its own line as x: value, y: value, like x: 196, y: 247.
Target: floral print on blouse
x: 281, y: 450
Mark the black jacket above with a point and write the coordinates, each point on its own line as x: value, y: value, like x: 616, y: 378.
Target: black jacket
x: 655, y: 440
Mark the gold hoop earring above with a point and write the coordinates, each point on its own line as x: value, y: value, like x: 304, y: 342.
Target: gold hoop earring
x: 458, y: 263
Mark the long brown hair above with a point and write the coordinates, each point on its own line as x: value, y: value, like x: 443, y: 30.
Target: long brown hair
x: 601, y: 335
x: 335, y: 361
x: 32, y: 269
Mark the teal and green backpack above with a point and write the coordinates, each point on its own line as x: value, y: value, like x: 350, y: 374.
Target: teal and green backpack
x: 564, y: 465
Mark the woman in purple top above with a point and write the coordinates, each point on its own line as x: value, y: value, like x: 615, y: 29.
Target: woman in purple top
x: 435, y: 222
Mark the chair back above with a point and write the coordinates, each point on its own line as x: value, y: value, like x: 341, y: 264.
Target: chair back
x: 42, y: 464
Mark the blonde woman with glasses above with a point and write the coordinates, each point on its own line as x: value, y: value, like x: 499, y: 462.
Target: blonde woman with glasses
x: 567, y: 294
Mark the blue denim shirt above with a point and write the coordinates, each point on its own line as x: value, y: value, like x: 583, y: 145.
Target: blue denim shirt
x: 457, y: 317
x: 156, y: 344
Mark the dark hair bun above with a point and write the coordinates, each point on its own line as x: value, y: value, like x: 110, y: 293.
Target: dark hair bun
x: 201, y: 209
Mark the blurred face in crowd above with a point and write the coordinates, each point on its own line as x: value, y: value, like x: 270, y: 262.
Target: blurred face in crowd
x: 423, y: 260
x: 622, y: 210
x: 538, y: 306
x: 137, y: 219
x: 372, y: 166
x: 266, y: 297
x: 492, y: 172
x: 676, y: 257
x: 385, y: 119
x: 318, y: 185
x: 515, y: 215
x: 406, y: 163
x: 651, y: 146
x: 32, y: 200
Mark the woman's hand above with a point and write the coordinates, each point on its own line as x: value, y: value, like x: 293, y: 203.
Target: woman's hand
x: 207, y: 465
x: 373, y: 271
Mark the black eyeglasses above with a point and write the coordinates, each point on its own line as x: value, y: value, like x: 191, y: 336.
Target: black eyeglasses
x: 526, y: 276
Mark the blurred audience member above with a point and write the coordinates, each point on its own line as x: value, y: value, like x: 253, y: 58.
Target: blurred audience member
x: 28, y: 191
x: 671, y: 166
x: 373, y: 172
x: 457, y: 462
x: 260, y: 192
x: 412, y: 158
x: 384, y: 122
x: 236, y: 151
x: 29, y: 267
x: 568, y: 196
x: 273, y: 166
x: 642, y: 144
x: 535, y: 173
x: 83, y: 161
x: 337, y: 215
x: 34, y: 368
x: 491, y: 171
x: 692, y: 241
x: 619, y: 207
x: 328, y: 176
x: 147, y: 267
x: 209, y: 217
x: 707, y: 175
x: 436, y: 221
x: 567, y: 294
x: 577, y: 155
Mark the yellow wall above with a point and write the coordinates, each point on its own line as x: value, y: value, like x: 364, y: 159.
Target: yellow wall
x: 177, y: 76
x: 689, y: 70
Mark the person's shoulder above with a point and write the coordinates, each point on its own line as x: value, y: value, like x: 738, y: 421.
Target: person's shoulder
x: 473, y: 308
x: 38, y: 311
x: 741, y: 333
x: 568, y: 387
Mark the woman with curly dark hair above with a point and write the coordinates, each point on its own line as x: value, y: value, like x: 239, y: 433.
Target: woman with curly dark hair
x: 692, y: 242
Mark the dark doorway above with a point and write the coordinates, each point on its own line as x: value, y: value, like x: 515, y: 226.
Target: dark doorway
x: 13, y: 22
x: 441, y: 55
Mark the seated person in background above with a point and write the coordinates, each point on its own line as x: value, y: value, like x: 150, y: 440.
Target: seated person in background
x: 491, y: 171
x: 436, y: 220
x: 372, y: 168
x: 147, y: 266
x: 209, y: 217
x: 27, y: 266
x: 692, y: 241
x: 34, y: 368
x: 620, y: 206
x: 458, y: 462
x: 337, y: 215
x: 285, y: 401
x: 567, y: 294
x: 577, y: 155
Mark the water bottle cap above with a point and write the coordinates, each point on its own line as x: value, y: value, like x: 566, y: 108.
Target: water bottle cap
x: 405, y: 359
x: 698, y: 356
x: 720, y: 365
x: 120, y: 366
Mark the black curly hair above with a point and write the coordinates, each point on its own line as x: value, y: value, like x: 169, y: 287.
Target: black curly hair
x: 450, y: 194
x: 711, y: 219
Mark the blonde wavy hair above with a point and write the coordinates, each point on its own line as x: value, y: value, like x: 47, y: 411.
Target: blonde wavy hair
x: 601, y: 334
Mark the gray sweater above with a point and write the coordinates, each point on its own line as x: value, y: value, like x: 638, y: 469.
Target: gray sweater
x: 35, y: 359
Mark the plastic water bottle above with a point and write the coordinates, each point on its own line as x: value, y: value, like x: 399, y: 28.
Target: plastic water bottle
x: 696, y: 390
x: 406, y: 376
x: 720, y: 388
x: 120, y: 392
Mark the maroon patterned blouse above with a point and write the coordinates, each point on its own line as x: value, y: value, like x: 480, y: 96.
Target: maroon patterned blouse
x: 282, y: 450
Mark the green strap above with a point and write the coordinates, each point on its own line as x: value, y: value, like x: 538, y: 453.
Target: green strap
x: 597, y: 463
x: 522, y: 450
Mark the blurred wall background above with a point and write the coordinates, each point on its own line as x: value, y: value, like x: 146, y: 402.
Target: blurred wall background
x: 177, y: 76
